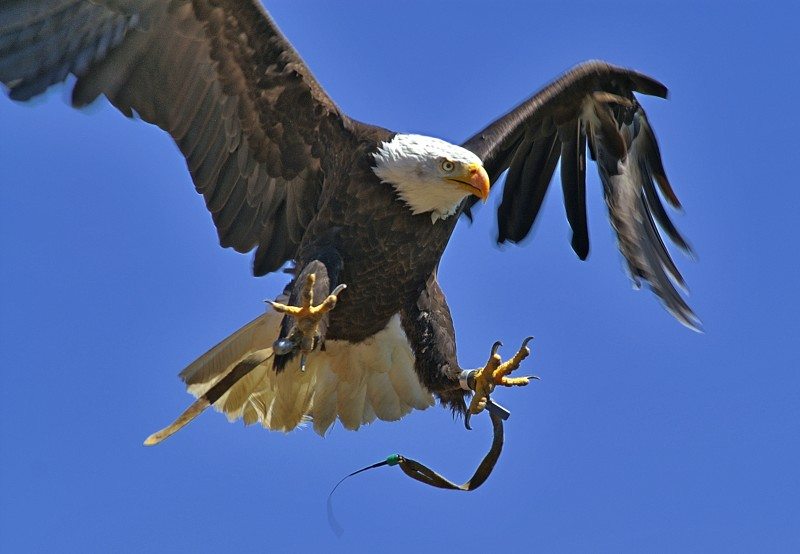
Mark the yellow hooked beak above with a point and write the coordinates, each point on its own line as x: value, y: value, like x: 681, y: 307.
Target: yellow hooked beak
x: 474, y: 180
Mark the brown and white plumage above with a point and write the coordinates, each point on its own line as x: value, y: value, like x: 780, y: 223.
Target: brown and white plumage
x: 285, y: 173
x: 354, y: 383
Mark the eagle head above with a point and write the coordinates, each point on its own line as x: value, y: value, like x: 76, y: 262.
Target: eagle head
x: 429, y: 174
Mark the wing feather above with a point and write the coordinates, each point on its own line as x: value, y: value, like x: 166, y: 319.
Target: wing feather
x: 217, y: 75
x: 592, y: 105
x: 526, y: 184
x: 573, y: 183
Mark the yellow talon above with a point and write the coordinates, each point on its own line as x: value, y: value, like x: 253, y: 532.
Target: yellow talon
x: 307, y: 316
x: 496, y: 372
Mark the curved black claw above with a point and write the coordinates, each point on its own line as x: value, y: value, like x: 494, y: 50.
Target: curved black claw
x: 338, y: 289
x: 495, y: 347
x: 467, y: 417
x: 526, y: 341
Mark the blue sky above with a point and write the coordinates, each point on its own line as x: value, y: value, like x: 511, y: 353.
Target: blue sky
x: 642, y: 435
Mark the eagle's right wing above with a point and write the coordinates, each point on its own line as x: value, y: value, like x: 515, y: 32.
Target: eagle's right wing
x: 217, y: 75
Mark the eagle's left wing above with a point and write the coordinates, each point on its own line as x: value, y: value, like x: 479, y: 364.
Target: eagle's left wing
x: 593, y: 103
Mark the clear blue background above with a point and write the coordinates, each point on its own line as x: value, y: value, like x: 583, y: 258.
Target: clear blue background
x: 642, y: 435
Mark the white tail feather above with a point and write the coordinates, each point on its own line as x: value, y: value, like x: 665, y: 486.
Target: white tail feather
x: 355, y: 382
x: 209, y: 368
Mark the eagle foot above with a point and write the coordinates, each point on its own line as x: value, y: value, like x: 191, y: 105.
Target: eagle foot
x: 495, y: 373
x: 307, y: 316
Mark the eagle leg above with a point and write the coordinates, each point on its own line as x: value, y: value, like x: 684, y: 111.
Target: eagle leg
x: 496, y: 372
x: 307, y: 316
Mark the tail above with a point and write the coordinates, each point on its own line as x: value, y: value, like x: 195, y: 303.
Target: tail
x: 237, y: 378
x: 355, y: 383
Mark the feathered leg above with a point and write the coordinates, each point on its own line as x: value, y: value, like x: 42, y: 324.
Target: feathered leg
x: 304, y: 334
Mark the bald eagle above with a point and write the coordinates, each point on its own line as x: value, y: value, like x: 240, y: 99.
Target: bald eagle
x: 343, y: 203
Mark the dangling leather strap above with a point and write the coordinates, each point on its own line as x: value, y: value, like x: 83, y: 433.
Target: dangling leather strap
x: 424, y: 474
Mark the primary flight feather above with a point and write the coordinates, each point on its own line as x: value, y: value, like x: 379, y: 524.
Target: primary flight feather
x: 285, y: 173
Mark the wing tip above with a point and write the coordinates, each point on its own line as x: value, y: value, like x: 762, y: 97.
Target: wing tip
x: 639, y: 81
x: 690, y: 321
x: 647, y: 85
x: 581, y: 246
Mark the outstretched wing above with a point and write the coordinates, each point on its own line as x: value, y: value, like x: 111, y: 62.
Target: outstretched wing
x: 593, y: 103
x: 217, y: 75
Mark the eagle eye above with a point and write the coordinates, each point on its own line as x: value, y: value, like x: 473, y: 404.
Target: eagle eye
x: 448, y: 166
